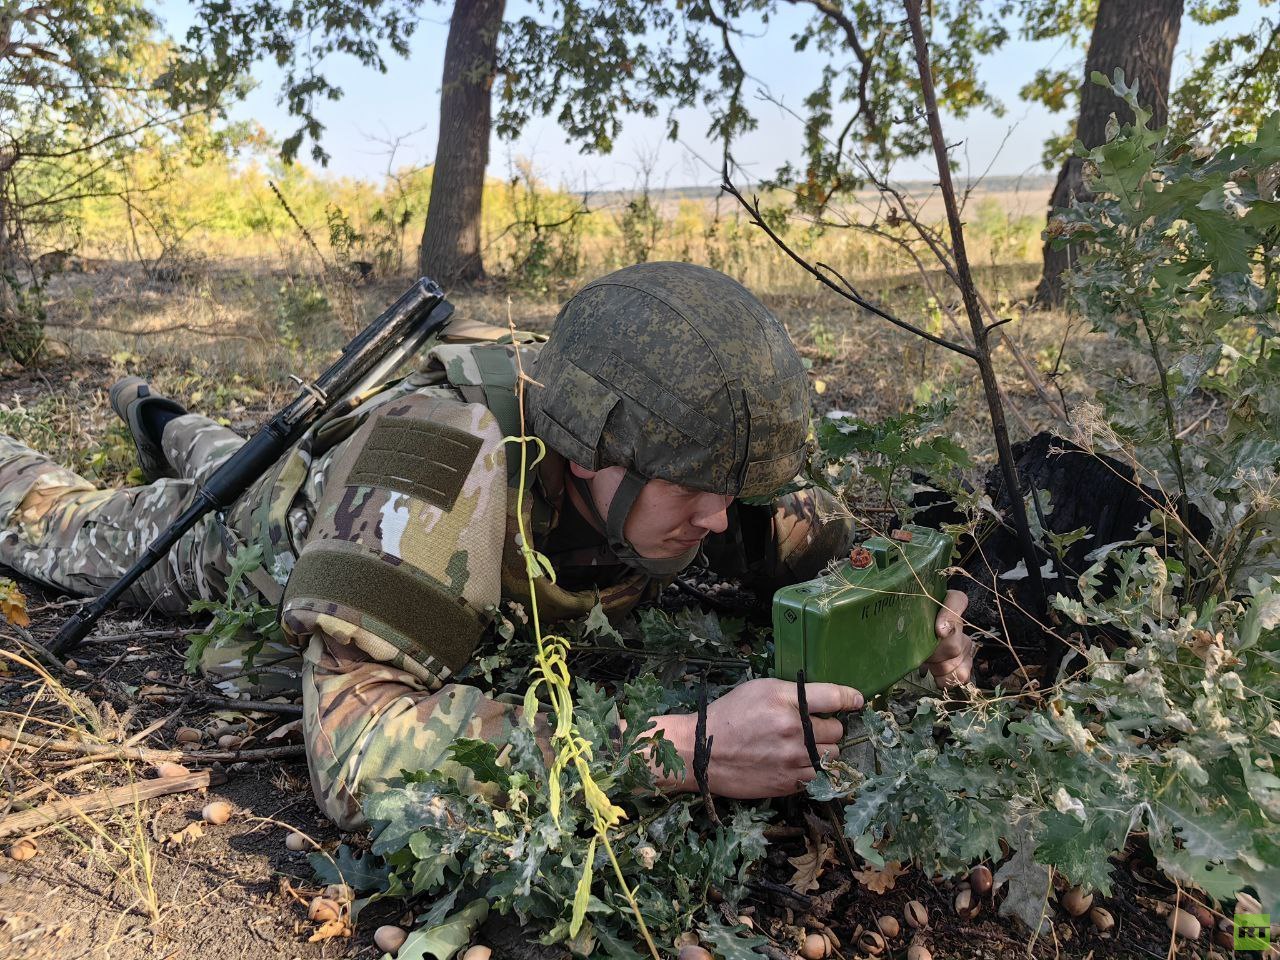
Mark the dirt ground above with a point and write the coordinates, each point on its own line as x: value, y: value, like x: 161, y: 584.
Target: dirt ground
x: 136, y: 883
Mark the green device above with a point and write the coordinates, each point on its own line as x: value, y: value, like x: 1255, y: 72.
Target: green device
x: 869, y: 622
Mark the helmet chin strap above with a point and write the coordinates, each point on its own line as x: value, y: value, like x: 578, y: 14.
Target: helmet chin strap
x: 619, y: 509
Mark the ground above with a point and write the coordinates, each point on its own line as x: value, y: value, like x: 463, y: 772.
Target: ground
x: 129, y: 883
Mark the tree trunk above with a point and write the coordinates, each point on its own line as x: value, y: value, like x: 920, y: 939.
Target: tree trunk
x: 450, y: 250
x: 1139, y: 37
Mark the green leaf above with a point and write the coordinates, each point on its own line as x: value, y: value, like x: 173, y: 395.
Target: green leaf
x: 732, y: 942
x: 597, y: 622
x: 1079, y: 849
x: 481, y: 758
x: 363, y: 872
x: 444, y: 939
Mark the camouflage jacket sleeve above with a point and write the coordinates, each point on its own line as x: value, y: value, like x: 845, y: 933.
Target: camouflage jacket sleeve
x: 365, y: 722
x: 391, y: 593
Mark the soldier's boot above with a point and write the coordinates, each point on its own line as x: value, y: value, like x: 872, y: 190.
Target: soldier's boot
x: 145, y: 413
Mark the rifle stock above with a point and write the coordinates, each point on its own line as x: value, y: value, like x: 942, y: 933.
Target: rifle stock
x: 396, y: 334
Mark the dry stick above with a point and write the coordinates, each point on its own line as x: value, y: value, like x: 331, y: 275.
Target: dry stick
x: 702, y: 754
x: 164, y: 633
x: 147, y: 755
x: 815, y: 761
x: 260, y: 706
x: 58, y: 810
x: 981, y: 333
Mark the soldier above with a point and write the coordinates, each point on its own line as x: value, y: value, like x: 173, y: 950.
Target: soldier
x: 389, y: 536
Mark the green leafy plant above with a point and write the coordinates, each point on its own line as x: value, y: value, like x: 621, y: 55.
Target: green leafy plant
x: 237, y: 617
x: 1164, y: 720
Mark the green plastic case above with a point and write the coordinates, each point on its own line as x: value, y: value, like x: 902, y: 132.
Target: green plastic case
x: 865, y: 627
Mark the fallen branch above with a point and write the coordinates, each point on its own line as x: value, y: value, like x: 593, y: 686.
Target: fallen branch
x: 213, y: 700
x: 146, y: 755
x: 56, y: 811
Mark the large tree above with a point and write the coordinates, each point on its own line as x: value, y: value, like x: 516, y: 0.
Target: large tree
x: 1227, y: 91
x: 451, y: 236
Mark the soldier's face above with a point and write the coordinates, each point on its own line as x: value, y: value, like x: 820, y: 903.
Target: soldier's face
x: 666, y: 519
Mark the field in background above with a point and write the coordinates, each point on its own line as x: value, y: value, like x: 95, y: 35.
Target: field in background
x: 219, y: 293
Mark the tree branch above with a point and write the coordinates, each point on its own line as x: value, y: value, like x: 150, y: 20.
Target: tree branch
x: 844, y: 289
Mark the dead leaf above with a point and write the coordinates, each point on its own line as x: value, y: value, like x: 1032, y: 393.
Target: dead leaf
x: 291, y: 730
x: 13, y: 604
x: 188, y: 834
x: 882, y: 880
x: 330, y: 929
x: 809, y: 865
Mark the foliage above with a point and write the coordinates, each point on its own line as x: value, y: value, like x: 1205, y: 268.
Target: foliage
x: 1174, y: 736
x: 1179, y: 262
x: 545, y: 233
x: 889, y: 453
x: 1164, y: 720
x: 239, y: 618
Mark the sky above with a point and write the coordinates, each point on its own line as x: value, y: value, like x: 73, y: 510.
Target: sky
x: 402, y: 107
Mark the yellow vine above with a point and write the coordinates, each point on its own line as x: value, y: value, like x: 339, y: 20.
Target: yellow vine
x: 550, y: 673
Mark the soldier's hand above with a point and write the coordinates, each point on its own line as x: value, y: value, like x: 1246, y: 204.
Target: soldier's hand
x: 758, y: 747
x: 952, y: 660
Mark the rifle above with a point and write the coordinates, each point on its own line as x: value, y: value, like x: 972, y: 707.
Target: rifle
x: 369, y: 359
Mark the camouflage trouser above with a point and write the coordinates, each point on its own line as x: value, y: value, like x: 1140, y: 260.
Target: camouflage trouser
x: 58, y: 529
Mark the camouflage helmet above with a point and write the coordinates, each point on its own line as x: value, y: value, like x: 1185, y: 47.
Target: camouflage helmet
x: 675, y: 372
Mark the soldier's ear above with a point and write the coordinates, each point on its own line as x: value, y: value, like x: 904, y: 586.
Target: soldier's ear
x: 580, y: 471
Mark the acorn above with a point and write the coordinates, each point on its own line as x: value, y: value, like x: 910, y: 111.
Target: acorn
x: 218, y: 812
x: 980, y: 880
x: 322, y: 909
x: 1202, y: 914
x: 871, y: 943
x: 339, y: 892
x: 1076, y: 901
x: 389, y: 938
x: 691, y: 951
x: 1247, y: 903
x: 888, y: 927
x: 918, y: 951
x: 187, y: 735
x: 746, y: 921
x: 165, y: 768
x: 815, y: 947
x: 916, y: 915
x: 1184, y: 924
x: 23, y: 849
x: 1102, y: 919
x: 1225, y: 938
x: 967, y: 905
x: 296, y: 841
x: 477, y: 951
x: 229, y: 741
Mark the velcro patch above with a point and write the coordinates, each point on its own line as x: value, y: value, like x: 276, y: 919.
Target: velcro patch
x: 425, y: 460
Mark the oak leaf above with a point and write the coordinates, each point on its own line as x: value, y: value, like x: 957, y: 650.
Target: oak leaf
x: 809, y: 865
x: 13, y: 605
x: 880, y: 880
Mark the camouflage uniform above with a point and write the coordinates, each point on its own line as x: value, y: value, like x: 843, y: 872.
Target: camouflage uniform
x: 389, y: 538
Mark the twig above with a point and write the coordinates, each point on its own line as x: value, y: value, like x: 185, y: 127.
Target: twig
x: 982, y: 350
x: 165, y: 633
x: 702, y: 754
x: 298, y: 223
x: 145, y: 754
x: 260, y: 706
x: 56, y: 811
x: 844, y: 288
